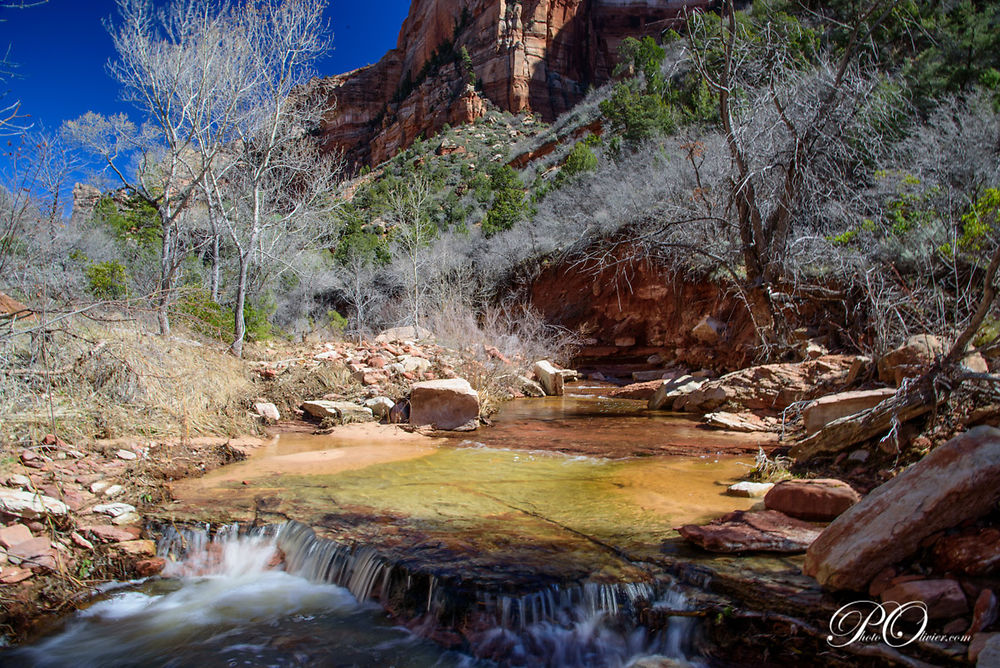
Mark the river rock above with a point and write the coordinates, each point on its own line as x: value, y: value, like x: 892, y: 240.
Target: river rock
x: 944, y: 598
x: 752, y: 531
x: 18, y: 480
x: 668, y: 390
x: 113, y: 509
x: 341, y: 411
x: 35, y: 552
x: 768, y: 386
x: 958, y: 481
x: 413, y: 364
x: 147, y: 568
x: 111, y: 534
x: 549, y: 377
x: 267, y: 411
x: 642, y: 391
x: 826, y: 409
x: 446, y: 404
x: 137, y: 548
x: 819, y: 500
x: 744, y: 422
x: 14, y: 534
x: 380, y: 406
x: 749, y: 490
x: 127, y: 455
x: 30, y: 506
x: 911, y: 358
x: 971, y: 551
x: 14, y: 574
x: 530, y: 388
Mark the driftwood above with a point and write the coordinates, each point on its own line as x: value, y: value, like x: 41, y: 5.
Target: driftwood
x: 911, y: 401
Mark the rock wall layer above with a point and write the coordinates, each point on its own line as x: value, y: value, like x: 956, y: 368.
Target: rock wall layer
x: 525, y: 55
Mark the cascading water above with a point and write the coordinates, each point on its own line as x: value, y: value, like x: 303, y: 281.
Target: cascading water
x: 227, y: 601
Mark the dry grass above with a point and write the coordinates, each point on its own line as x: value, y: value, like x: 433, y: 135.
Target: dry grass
x: 84, y: 379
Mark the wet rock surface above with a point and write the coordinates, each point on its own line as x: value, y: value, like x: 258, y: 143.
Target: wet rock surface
x: 958, y: 481
x: 816, y: 500
x: 759, y: 531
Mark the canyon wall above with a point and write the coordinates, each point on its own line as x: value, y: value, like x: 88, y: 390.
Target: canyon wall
x: 525, y: 55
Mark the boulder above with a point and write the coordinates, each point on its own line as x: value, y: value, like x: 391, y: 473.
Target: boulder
x: 446, y: 404
x: 768, y: 386
x: 745, y: 422
x: 380, y: 406
x: 147, y: 568
x: 971, y: 552
x: 642, y: 391
x: 752, y: 531
x: 708, y: 330
x: 958, y: 481
x: 530, y: 388
x: 341, y: 411
x: 750, y: 490
x: 668, y: 390
x: 267, y: 411
x: 944, y: 598
x: 819, y: 500
x: 549, y: 377
x: 826, y: 409
x: 911, y: 358
x: 30, y: 506
x: 408, y: 333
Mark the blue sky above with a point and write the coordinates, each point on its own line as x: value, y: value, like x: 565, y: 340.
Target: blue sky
x: 61, y: 49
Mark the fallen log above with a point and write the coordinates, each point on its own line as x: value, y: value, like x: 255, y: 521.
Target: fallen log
x: 912, y: 400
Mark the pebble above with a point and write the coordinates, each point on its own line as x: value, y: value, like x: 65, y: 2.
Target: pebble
x: 113, y: 490
x: 114, y: 509
x: 127, y: 455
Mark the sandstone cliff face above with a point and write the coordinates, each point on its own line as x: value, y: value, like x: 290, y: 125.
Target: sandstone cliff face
x: 527, y: 55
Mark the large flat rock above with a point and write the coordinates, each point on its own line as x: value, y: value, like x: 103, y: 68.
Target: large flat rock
x: 445, y: 404
x: 760, y: 531
x: 826, y: 409
x: 956, y: 482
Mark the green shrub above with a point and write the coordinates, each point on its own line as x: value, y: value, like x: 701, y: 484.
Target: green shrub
x: 107, y: 280
x: 508, y: 205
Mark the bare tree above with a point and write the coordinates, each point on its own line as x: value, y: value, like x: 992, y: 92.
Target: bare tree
x: 269, y: 179
x: 412, y: 232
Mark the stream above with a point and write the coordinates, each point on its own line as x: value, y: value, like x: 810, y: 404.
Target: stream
x: 513, y: 545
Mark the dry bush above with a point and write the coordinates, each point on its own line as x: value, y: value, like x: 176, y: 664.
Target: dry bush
x: 81, y: 378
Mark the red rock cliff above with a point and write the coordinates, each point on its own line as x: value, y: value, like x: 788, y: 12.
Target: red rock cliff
x: 537, y: 55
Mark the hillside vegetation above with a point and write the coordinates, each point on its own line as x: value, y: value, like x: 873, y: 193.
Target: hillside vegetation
x: 842, y: 153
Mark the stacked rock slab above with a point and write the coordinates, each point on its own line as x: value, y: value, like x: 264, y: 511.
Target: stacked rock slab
x: 958, y: 481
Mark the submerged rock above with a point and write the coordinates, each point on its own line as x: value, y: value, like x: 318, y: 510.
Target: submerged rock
x: 958, y: 481
x: 752, y: 531
x: 446, y: 404
x: 818, y: 500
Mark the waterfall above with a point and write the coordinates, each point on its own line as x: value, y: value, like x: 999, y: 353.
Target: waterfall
x: 576, y: 624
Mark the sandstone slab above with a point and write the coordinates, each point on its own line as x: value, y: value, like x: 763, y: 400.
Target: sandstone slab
x: 817, y: 500
x: 752, y: 531
x: 111, y: 534
x: 826, y: 409
x: 742, y: 422
x: 768, y: 386
x: 549, y: 378
x: 30, y: 506
x: 446, y: 404
x: 669, y: 390
x: 341, y: 411
x: 114, y: 509
x: 958, y: 481
x: 14, y: 534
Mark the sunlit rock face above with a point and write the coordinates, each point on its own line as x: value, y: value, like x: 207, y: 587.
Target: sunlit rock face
x: 527, y: 55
